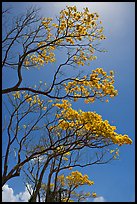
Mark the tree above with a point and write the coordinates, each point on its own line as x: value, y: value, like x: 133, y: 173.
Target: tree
x: 42, y: 132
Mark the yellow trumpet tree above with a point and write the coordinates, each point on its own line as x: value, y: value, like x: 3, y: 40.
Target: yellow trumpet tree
x: 48, y: 136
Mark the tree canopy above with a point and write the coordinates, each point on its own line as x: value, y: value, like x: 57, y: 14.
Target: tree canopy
x: 44, y: 133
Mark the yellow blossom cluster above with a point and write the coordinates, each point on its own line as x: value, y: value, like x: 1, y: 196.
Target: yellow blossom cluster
x: 82, y: 196
x: 115, y: 153
x: 76, y: 26
x: 72, y: 27
x: 46, y: 22
x: 36, y: 59
x: 44, y: 186
x: 65, y: 156
x: 87, y: 194
x: 66, y: 200
x: 122, y: 139
x: 64, y: 105
x: 40, y: 59
x: 74, y: 179
x: 26, y: 62
x: 61, y: 150
x: 98, y: 85
x: 61, y: 179
x: 47, y: 52
x: 33, y: 100
x: 83, y: 56
x: 89, y: 122
x: 16, y: 94
x: 94, y: 195
x: 80, y: 24
x: 45, y: 55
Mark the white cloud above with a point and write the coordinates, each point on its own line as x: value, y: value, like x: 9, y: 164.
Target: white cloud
x: 8, y: 194
x: 99, y: 199
x: 40, y: 158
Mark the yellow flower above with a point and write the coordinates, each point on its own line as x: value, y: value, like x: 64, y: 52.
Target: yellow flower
x: 65, y: 158
x: 55, y: 25
x: 29, y: 99
x: 17, y: 94
x: 87, y: 194
x: 117, y: 153
x: 67, y: 153
x: 51, y: 185
x: 26, y: 62
x: 61, y: 179
x: 94, y: 195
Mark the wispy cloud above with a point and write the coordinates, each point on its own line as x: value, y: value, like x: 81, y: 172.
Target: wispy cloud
x: 8, y: 195
x: 99, y: 199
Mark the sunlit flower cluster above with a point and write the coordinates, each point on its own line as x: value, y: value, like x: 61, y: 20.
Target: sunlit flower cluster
x: 61, y: 179
x: 16, y: 94
x: 31, y: 99
x: 72, y: 28
x: 122, y: 139
x: 76, y: 26
x: 66, y: 200
x: 46, y: 55
x: 46, y: 21
x: 62, y: 150
x: 94, y: 195
x: 91, y: 122
x: 115, y: 153
x: 98, y: 85
x: 79, y: 24
x: 84, y: 55
x: 74, y: 179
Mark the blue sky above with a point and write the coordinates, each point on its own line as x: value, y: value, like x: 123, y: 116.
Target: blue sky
x: 115, y: 182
